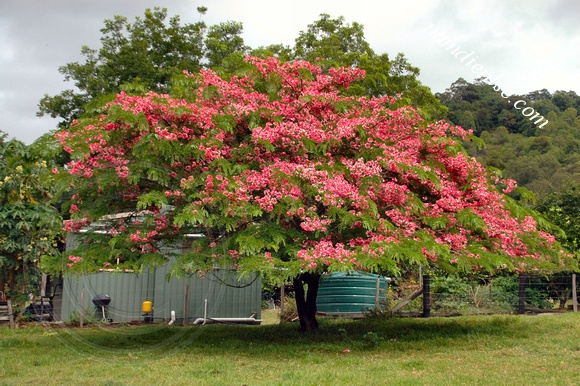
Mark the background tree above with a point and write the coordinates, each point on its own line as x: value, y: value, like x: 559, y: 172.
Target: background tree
x: 288, y: 174
x: 146, y: 53
x: 225, y: 43
x: 562, y: 209
x: 30, y: 226
x: 334, y: 43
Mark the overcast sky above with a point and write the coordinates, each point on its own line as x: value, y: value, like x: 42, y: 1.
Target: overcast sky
x: 530, y: 45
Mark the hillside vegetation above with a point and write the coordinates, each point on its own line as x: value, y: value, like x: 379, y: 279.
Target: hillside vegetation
x: 541, y: 157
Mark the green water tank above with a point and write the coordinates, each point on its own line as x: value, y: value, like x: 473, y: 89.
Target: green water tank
x: 350, y: 293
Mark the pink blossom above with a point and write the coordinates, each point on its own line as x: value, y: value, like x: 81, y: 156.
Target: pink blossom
x: 135, y: 237
x: 351, y: 182
x: 75, y: 259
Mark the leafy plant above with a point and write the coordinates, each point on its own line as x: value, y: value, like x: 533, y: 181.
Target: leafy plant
x: 373, y: 339
x: 290, y: 311
x: 88, y: 319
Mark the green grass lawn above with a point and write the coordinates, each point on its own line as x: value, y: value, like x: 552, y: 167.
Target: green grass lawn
x: 468, y: 350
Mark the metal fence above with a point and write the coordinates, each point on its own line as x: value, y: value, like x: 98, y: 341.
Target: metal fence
x: 483, y: 295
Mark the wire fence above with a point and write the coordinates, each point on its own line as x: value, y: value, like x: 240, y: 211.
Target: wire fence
x: 490, y: 295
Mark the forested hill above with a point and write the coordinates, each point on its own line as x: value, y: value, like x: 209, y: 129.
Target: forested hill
x: 541, y: 157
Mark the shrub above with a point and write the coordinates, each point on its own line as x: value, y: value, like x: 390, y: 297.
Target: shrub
x: 505, y: 289
x: 290, y: 310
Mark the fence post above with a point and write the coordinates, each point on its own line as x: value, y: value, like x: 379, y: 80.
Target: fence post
x: 574, y: 294
x: 426, y: 296
x: 282, y: 296
x: 522, y: 295
x: 82, y: 313
x: 10, y: 313
x: 186, y: 305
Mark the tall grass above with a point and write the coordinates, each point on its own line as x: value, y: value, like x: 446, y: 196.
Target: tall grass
x: 471, y: 350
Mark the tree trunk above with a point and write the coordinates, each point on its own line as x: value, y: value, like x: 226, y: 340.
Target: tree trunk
x: 11, y: 281
x: 306, y: 300
x: 24, y: 277
x: 562, y: 303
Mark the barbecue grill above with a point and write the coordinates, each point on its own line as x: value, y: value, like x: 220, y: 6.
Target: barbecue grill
x: 102, y: 301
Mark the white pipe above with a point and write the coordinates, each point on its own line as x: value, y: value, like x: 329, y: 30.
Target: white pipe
x: 250, y: 320
x: 172, y: 318
x: 205, y: 320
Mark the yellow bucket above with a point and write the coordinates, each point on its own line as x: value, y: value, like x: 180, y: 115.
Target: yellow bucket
x: 147, y: 307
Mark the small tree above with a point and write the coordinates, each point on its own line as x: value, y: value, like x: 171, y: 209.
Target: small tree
x: 285, y: 174
x: 30, y: 226
x: 562, y: 209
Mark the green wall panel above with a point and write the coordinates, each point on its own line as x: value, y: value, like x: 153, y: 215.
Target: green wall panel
x: 227, y: 297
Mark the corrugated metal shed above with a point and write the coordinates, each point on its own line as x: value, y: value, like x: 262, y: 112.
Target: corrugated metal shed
x: 227, y: 297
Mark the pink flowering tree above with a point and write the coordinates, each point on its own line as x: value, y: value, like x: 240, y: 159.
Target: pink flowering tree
x: 284, y: 174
